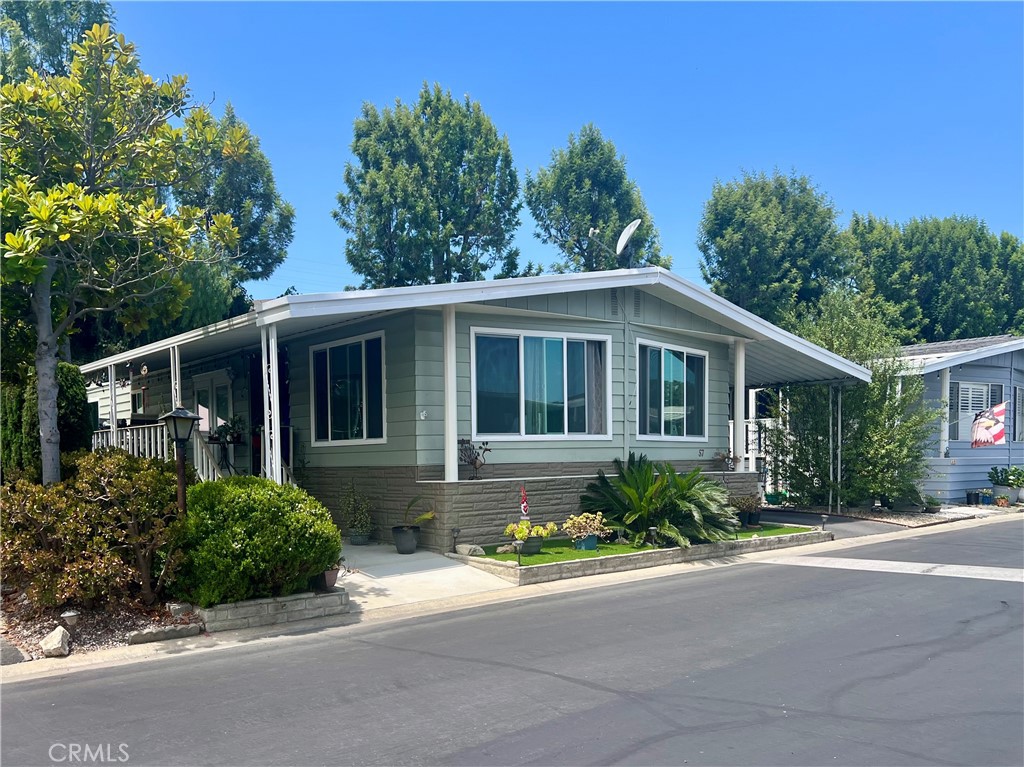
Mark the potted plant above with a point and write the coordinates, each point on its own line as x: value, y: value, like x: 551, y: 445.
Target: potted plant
x: 356, y: 516
x: 746, y: 507
x: 532, y: 536
x: 985, y: 494
x: 231, y: 432
x: 407, y: 535
x: 585, y: 529
x: 1000, y: 479
x: 1015, y: 476
x: 1003, y: 501
x: 932, y: 504
x: 326, y: 580
x: 725, y: 460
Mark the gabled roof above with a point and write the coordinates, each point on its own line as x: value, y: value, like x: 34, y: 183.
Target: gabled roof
x: 773, y: 356
x: 929, y: 358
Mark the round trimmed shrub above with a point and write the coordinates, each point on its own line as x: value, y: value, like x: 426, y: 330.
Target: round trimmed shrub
x: 247, y: 537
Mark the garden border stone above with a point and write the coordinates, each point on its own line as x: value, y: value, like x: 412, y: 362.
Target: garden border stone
x: 617, y: 563
x: 269, y: 611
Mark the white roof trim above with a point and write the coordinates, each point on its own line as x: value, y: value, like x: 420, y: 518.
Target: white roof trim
x: 168, y: 343
x: 923, y: 364
x: 362, y: 302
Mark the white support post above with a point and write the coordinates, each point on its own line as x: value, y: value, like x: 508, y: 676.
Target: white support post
x: 839, y: 455
x: 112, y: 396
x: 944, y: 419
x: 275, y: 393
x: 831, y: 446
x: 451, y: 403
x: 176, y: 398
x: 739, y: 401
x: 267, y: 416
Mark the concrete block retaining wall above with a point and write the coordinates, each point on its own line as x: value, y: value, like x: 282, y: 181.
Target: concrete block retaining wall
x: 556, y: 571
x: 480, y: 509
x: 274, y: 610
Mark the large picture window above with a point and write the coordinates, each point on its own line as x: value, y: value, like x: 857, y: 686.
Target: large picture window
x: 348, y: 390
x: 672, y: 387
x: 540, y: 385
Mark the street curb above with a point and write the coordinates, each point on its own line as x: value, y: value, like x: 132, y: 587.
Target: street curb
x: 258, y: 637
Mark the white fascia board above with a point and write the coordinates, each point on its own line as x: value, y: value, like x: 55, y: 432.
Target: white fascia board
x: 951, y: 360
x: 419, y: 296
x: 181, y: 339
x: 760, y: 328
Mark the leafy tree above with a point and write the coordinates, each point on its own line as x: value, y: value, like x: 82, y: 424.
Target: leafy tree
x: 242, y: 184
x: 84, y: 161
x: 950, y: 277
x: 885, y: 423
x: 770, y: 243
x: 41, y: 33
x: 583, y: 200
x: 432, y: 196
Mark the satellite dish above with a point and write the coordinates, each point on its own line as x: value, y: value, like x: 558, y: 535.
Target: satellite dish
x: 626, y: 234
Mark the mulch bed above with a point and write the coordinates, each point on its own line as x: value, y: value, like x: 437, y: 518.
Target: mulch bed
x: 24, y: 625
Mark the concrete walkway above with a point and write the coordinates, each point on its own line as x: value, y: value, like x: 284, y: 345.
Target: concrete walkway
x: 378, y: 576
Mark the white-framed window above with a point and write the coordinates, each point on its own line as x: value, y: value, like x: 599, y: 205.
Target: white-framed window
x: 540, y: 385
x: 347, y: 391
x: 966, y: 400
x: 672, y: 383
x: 1018, y: 415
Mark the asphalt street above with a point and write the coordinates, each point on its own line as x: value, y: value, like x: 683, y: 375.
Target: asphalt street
x: 759, y: 663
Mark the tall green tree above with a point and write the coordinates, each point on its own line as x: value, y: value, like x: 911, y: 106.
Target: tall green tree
x: 583, y: 199
x: 40, y: 34
x: 770, y: 244
x: 432, y: 196
x: 886, y: 424
x: 948, y: 277
x: 241, y: 184
x: 85, y: 159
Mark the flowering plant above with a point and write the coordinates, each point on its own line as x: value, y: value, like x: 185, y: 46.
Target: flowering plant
x: 580, y: 526
x: 522, y: 530
x: 524, y: 505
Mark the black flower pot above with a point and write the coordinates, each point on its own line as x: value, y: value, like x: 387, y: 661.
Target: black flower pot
x: 973, y: 498
x: 744, y: 518
x: 406, y: 538
x: 755, y: 518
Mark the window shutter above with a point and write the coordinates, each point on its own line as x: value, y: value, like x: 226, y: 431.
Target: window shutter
x: 954, y: 410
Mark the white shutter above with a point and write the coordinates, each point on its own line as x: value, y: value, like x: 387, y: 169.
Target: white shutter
x: 1018, y: 416
x: 973, y: 399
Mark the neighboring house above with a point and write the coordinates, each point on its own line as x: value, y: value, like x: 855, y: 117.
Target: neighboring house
x: 559, y: 374
x: 963, y: 378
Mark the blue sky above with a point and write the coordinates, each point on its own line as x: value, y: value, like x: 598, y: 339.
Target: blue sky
x: 901, y: 110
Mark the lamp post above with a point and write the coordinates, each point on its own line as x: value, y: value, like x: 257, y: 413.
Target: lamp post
x: 179, y: 423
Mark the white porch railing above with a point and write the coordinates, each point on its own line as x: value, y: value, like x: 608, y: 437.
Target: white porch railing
x: 203, y: 458
x: 145, y: 441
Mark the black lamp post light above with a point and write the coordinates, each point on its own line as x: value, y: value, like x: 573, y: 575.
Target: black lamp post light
x: 180, y: 423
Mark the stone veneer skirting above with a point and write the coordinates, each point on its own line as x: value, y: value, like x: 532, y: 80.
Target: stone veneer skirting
x: 556, y: 571
x: 273, y: 610
x: 479, y: 509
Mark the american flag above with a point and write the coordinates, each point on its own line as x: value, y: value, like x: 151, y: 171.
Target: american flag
x: 989, y: 427
x: 524, y: 506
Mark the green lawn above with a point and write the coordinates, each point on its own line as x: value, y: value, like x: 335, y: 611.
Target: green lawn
x: 561, y: 550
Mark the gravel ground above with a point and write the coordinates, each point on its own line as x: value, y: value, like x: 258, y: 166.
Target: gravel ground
x: 908, y: 518
x: 24, y: 625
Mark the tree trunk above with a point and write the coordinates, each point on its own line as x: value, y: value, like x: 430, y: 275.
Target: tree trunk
x: 46, y: 376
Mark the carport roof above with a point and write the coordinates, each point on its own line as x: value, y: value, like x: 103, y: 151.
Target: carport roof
x: 773, y: 356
